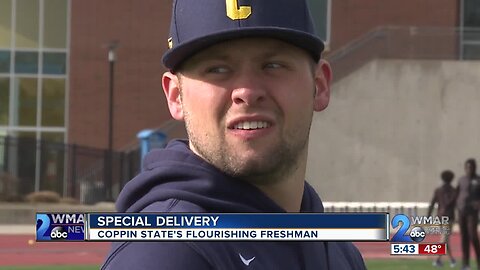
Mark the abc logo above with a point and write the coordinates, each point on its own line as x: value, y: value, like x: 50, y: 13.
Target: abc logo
x: 417, y: 234
x: 58, y: 233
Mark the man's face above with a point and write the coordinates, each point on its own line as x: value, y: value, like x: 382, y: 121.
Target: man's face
x: 248, y: 105
x: 469, y: 169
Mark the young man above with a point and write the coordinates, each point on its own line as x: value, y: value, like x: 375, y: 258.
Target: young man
x: 468, y: 204
x: 445, y: 197
x: 246, y: 78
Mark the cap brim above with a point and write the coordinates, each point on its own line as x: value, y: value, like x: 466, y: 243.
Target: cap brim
x: 174, y: 57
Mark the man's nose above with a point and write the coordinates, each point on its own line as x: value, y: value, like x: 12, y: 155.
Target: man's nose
x: 248, y: 89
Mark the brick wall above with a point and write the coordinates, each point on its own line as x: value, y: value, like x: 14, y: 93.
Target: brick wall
x: 141, y: 28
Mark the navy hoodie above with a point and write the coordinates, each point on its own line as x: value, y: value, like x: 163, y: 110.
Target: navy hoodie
x: 176, y: 180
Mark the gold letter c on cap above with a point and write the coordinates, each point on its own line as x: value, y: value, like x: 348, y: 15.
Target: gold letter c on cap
x: 235, y: 12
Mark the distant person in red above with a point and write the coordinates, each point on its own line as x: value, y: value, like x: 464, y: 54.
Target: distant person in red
x: 468, y: 204
x: 445, y: 197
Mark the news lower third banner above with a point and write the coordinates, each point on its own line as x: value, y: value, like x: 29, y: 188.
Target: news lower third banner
x: 213, y: 227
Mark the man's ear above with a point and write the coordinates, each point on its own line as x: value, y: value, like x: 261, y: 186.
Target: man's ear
x: 323, y: 78
x: 171, y: 87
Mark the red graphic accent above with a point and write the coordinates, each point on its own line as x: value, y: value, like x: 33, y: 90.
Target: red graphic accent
x: 432, y: 249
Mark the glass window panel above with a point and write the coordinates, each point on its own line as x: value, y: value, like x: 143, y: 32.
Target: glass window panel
x: 319, y: 11
x: 4, y: 61
x: 3, y: 167
x: 471, y: 16
x: 52, y: 161
x: 53, y: 137
x: 27, y: 19
x: 472, y: 34
x: 5, y: 23
x: 471, y: 52
x: 26, y: 101
x: 26, y: 62
x: 54, y: 63
x: 53, y: 102
x: 55, y: 25
x: 26, y: 161
x: 4, y: 100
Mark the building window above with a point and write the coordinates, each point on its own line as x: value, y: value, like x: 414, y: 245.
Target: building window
x: 54, y: 63
x: 471, y: 12
x: 4, y: 100
x: 25, y: 93
x: 33, y: 90
x: 470, y: 37
x: 27, y: 160
x: 471, y: 51
x: 27, y: 21
x: 52, y: 155
x: 53, y: 102
x: 321, y: 11
x: 4, y: 61
x: 5, y: 23
x: 54, y: 26
x: 26, y: 62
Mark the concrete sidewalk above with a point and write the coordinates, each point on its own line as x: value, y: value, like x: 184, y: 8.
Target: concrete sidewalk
x: 15, y: 229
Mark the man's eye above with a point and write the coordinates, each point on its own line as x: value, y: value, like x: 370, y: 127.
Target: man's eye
x: 272, y: 65
x: 218, y: 70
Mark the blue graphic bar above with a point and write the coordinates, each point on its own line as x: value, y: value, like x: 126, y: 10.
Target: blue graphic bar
x: 250, y: 220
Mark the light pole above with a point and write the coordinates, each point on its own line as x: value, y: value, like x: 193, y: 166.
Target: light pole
x: 109, y: 168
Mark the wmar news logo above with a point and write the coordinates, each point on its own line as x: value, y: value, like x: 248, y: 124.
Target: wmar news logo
x: 420, y: 227
x: 60, y: 227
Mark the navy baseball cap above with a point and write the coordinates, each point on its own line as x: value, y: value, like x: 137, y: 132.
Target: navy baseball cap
x: 198, y: 24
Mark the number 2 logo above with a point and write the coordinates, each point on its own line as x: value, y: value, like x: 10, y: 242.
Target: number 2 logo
x: 236, y: 12
x: 400, y: 235
x: 44, y: 223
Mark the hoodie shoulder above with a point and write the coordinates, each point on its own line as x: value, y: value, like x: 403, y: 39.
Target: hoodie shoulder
x: 345, y: 255
x: 154, y: 255
x: 173, y: 206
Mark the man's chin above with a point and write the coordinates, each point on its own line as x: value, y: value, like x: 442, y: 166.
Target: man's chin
x: 253, y: 151
x: 252, y: 167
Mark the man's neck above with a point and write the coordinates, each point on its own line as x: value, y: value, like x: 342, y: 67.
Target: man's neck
x: 288, y: 192
x: 289, y: 197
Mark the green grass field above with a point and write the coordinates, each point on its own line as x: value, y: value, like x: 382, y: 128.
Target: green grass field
x: 409, y: 264
x: 388, y: 264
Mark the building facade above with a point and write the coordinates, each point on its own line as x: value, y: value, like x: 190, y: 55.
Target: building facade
x: 56, y: 79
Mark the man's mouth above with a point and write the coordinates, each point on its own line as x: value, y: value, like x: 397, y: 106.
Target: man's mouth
x: 248, y: 125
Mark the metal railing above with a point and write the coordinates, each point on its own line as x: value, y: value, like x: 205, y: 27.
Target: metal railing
x: 395, y: 42
x: 408, y: 208
x: 70, y: 170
